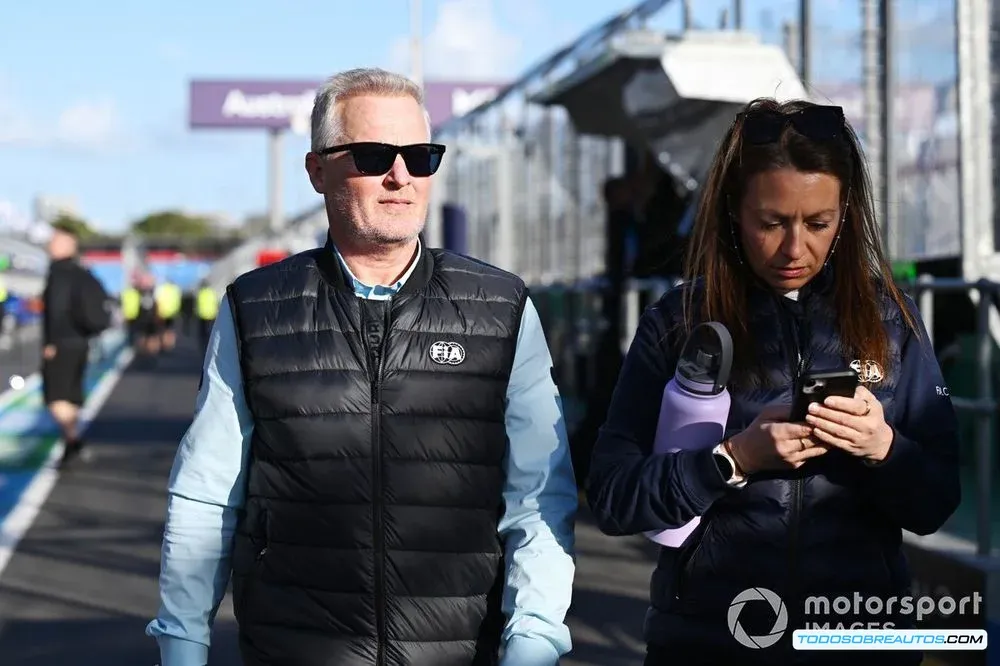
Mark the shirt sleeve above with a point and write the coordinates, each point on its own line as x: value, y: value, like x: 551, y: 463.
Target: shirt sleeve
x: 541, y: 501
x: 205, y: 493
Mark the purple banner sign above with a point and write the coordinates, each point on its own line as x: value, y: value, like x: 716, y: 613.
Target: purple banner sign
x: 251, y: 104
x: 287, y: 104
x: 446, y: 100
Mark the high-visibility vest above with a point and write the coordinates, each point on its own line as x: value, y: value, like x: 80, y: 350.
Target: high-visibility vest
x: 208, y: 305
x: 168, y: 300
x: 130, y: 303
x: 3, y: 292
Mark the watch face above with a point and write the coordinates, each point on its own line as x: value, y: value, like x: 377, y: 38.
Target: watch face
x: 725, y: 467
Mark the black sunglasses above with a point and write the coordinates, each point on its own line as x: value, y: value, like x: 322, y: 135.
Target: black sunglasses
x: 820, y: 123
x: 375, y: 159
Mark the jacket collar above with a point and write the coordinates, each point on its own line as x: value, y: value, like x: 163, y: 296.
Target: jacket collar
x: 333, y: 271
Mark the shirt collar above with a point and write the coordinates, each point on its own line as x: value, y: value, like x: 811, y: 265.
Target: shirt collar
x: 378, y: 291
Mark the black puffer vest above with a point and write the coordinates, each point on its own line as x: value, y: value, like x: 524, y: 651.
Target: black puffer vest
x: 375, y: 482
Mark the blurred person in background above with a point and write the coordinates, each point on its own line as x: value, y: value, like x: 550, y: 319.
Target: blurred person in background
x: 786, y: 254
x: 168, y: 307
x: 206, y: 309
x: 378, y: 455
x: 4, y: 295
x: 75, y: 309
x: 131, y: 306
x: 6, y: 325
x: 187, y: 311
x: 148, y: 324
x: 620, y: 251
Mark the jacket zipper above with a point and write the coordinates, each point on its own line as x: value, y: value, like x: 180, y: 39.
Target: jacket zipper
x: 793, y: 351
x: 377, y: 364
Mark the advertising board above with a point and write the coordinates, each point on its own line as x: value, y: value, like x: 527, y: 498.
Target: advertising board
x: 280, y: 105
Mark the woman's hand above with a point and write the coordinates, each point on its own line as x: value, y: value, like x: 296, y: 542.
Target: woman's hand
x: 772, y: 442
x: 855, y: 425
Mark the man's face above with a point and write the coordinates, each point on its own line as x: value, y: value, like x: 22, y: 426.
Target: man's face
x: 61, y: 245
x: 384, y: 209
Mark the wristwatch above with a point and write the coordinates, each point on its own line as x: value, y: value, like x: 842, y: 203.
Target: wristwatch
x: 727, y: 466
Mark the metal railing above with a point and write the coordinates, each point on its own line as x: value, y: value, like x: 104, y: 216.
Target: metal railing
x: 571, y: 315
x: 983, y: 405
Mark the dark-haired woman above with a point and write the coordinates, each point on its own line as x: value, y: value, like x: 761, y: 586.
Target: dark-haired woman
x: 786, y: 254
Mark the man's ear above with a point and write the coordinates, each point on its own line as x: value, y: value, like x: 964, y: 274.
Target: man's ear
x: 315, y: 166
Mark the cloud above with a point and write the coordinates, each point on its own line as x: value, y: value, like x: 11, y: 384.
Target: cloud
x: 465, y: 41
x: 91, y: 126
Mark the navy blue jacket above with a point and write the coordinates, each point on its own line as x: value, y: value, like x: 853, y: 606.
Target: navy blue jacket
x: 832, y: 527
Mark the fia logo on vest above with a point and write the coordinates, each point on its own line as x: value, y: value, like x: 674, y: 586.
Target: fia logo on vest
x: 869, y: 372
x: 447, y: 353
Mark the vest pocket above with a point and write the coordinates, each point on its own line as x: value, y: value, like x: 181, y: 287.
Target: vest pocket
x: 689, y: 556
x: 257, y: 566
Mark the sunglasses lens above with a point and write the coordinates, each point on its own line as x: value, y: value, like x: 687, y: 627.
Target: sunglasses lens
x: 373, y: 160
x: 421, y: 161
x: 820, y: 123
x: 762, y: 127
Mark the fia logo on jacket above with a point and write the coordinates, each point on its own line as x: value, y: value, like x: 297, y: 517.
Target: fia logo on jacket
x: 447, y: 353
x: 869, y: 372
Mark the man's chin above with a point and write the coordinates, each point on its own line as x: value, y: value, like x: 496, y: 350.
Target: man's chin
x: 392, y: 235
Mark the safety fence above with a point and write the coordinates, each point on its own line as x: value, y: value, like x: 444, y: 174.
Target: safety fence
x: 575, y: 325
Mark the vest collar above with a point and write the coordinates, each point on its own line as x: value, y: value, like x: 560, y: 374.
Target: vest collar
x: 333, y: 271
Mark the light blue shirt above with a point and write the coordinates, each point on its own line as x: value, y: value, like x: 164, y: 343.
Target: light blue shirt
x: 207, y: 486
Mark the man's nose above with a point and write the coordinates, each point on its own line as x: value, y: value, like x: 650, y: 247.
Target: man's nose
x: 398, y: 174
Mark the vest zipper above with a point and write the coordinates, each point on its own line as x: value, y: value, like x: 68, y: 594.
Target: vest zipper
x: 793, y: 351
x: 377, y: 365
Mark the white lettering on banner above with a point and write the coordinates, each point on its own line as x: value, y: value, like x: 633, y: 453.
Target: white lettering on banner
x: 463, y: 101
x: 270, y: 105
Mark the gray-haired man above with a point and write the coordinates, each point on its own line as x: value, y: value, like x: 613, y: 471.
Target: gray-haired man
x: 378, y: 456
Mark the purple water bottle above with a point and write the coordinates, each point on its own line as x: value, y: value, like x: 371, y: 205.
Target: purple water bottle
x: 695, y: 406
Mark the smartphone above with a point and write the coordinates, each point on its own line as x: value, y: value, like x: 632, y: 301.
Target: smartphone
x: 818, y: 386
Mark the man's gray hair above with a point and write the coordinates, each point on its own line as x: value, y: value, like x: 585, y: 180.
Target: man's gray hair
x: 327, y: 122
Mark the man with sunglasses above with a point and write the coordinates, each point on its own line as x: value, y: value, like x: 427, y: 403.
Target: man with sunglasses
x: 378, y: 457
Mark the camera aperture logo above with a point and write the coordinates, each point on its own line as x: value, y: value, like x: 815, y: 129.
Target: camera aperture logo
x: 780, y: 618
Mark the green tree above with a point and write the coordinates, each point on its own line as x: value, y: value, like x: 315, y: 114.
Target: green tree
x: 74, y: 225
x: 173, y: 223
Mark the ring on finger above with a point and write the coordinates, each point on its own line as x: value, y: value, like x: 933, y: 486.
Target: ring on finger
x: 868, y: 408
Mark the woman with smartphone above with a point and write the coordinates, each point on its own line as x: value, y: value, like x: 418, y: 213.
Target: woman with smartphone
x: 785, y: 253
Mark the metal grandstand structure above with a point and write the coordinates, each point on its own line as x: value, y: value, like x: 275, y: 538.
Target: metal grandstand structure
x: 528, y: 172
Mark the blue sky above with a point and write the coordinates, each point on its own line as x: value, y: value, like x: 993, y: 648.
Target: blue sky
x: 93, y: 103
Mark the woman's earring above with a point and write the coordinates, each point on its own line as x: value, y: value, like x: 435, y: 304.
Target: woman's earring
x: 840, y: 230
x: 736, y: 244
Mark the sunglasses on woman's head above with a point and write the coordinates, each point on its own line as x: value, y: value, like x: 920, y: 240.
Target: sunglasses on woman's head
x: 820, y: 123
x: 376, y: 159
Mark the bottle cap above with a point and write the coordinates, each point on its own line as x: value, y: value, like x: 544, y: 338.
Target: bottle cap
x: 706, y: 359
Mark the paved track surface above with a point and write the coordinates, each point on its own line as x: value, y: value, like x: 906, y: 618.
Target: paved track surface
x: 23, y: 355
x: 82, y: 584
